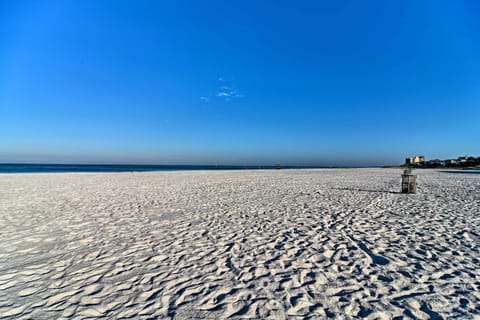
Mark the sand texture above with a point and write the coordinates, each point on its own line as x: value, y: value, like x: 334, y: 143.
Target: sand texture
x: 285, y: 244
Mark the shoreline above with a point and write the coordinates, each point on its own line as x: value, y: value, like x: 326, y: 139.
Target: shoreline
x: 92, y: 168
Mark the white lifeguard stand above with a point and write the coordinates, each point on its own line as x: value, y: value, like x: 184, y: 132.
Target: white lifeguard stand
x: 409, y: 181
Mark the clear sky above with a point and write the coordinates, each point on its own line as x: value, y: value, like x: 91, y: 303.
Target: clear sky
x: 239, y: 82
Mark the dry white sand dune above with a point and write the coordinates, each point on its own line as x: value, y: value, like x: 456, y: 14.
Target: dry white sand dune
x: 239, y: 244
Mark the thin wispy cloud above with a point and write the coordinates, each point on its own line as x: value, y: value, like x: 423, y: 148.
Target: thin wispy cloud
x: 224, y: 92
x: 228, y: 92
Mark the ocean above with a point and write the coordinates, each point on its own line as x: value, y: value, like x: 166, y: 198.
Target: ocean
x: 46, y: 168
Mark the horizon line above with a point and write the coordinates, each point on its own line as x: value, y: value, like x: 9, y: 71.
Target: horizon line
x: 195, y: 165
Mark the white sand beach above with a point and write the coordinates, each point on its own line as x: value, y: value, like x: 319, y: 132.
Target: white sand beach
x: 267, y: 244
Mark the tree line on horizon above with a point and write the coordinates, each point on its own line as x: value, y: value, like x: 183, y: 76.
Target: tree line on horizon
x: 460, y: 162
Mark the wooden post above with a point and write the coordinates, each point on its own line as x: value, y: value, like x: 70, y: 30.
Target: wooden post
x: 409, y: 182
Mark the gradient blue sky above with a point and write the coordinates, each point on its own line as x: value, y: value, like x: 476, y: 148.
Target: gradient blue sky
x: 239, y: 82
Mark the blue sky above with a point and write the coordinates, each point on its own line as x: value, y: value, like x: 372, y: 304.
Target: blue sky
x: 239, y: 82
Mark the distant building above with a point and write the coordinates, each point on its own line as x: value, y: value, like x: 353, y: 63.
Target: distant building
x: 451, y: 162
x: 468, y: 161
x: 418, y: 160
x: 435, y: 163
x: 463, y: 159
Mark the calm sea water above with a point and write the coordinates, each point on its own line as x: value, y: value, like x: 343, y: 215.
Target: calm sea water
x: 37, y: 168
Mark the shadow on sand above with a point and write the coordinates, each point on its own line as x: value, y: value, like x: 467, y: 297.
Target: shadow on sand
x: 367, y: 190
x: 462, y: 171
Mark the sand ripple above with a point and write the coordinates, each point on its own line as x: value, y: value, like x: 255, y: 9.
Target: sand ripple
x: 287, y: 244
